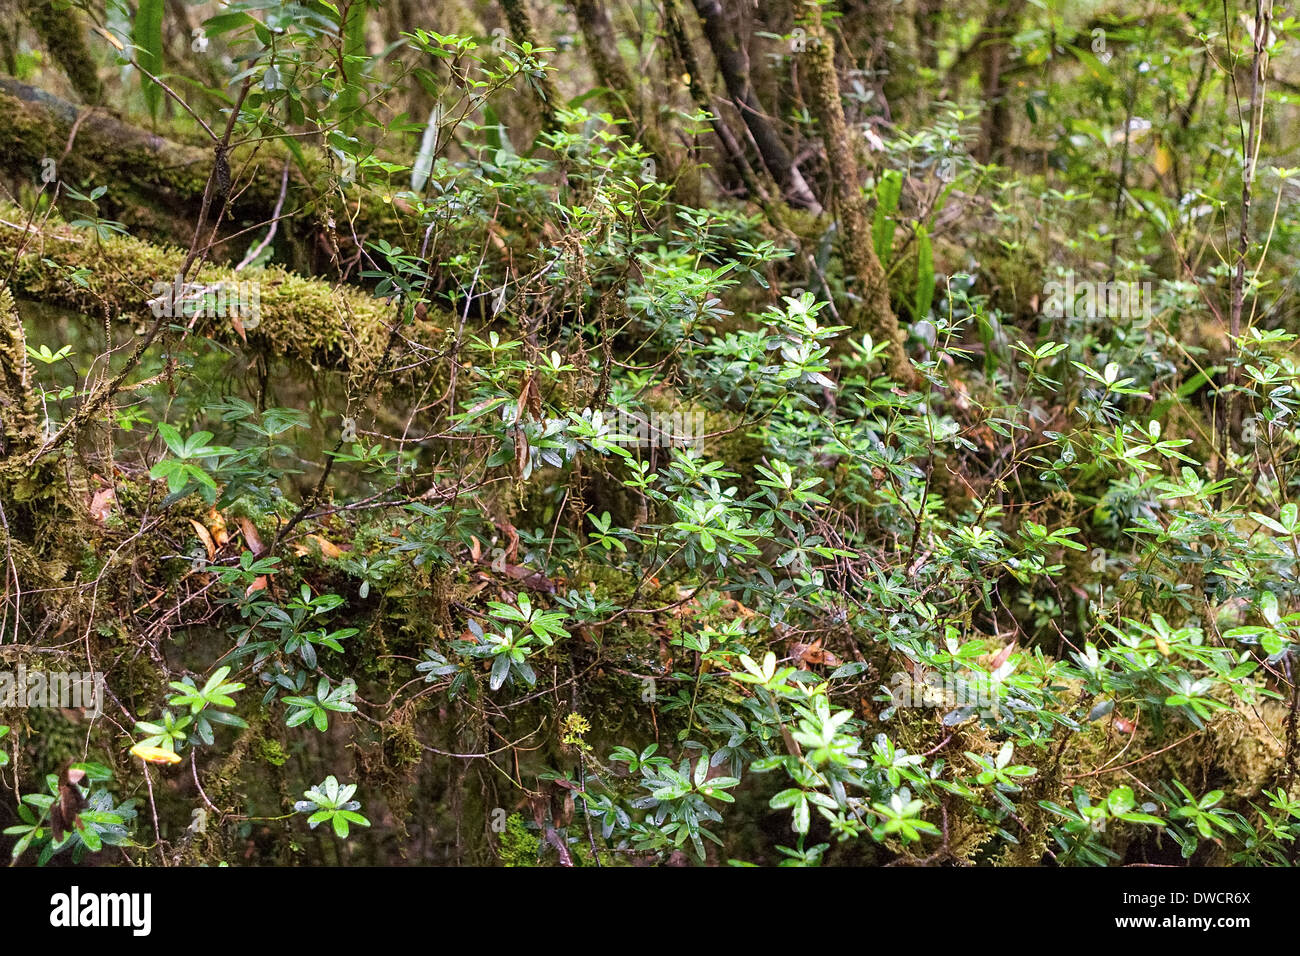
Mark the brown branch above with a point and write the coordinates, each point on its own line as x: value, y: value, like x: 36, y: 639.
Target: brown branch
x: 733, y: 63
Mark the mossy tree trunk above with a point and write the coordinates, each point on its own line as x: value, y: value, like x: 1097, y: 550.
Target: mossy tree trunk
x: 872, y: 312
x: 306, y: 320
x: 62, y: 33
x: 18, y: 407
x: 521, y: 27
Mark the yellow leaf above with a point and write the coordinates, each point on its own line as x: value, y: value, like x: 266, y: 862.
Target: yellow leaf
x: 155, y: 754
x: 328, y: 549
x: 206, y: 538
x: 1164, y: 161
x: 217, y: 525
x: 110, y: 38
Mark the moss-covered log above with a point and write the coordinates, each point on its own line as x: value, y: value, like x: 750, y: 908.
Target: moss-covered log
x: 298, y: 318
x: 155, y: 185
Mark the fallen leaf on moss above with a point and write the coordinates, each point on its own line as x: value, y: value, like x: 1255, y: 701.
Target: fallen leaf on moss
x: 101, y: 506
x: 328, y: 548
x: 205, y: 537
x: 217, y: 525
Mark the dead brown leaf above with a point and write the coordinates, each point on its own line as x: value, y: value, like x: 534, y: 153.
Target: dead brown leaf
x: 252, y: 539
x: 1002, y: 656
x: 217, y: 525
x: 205, y: 537
x: 805, y: 654
x: 101, y: 506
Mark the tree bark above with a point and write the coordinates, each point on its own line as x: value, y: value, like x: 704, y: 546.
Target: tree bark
x: 62, y: 33
x: 521, y: 27
x: 872, y: 312
x: 733, y: 63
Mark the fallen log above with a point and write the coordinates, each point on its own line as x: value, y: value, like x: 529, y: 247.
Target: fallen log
x: 155, y: 184
x: 271, y: 310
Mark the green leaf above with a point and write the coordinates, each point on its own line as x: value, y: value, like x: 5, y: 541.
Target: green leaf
x: 172, y: 437
x: 882, y: 228
x: 924, y: 274
x: 500, y: 668
x: 146, y: 34
x: 801, y: 815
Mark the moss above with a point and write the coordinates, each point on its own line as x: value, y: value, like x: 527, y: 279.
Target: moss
x: 222, y: 782
x: 271, y: 751
x: 18, y: 406
x: 402, y: 747
x: 156, y: 185
x: 63, y: 34
x: 302, y: 319
x: 1013, y: 275
x: 517, y: 846
x: 49, y: 737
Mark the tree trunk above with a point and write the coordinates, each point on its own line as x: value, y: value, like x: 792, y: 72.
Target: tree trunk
x: 703, y: 98
x: 995, y: 123
x: 733, y: 63
x: 602, y: 49
x: 62, y: 32
x: 521, y: 27
x: 872, y: 312
x: 928, y: 21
